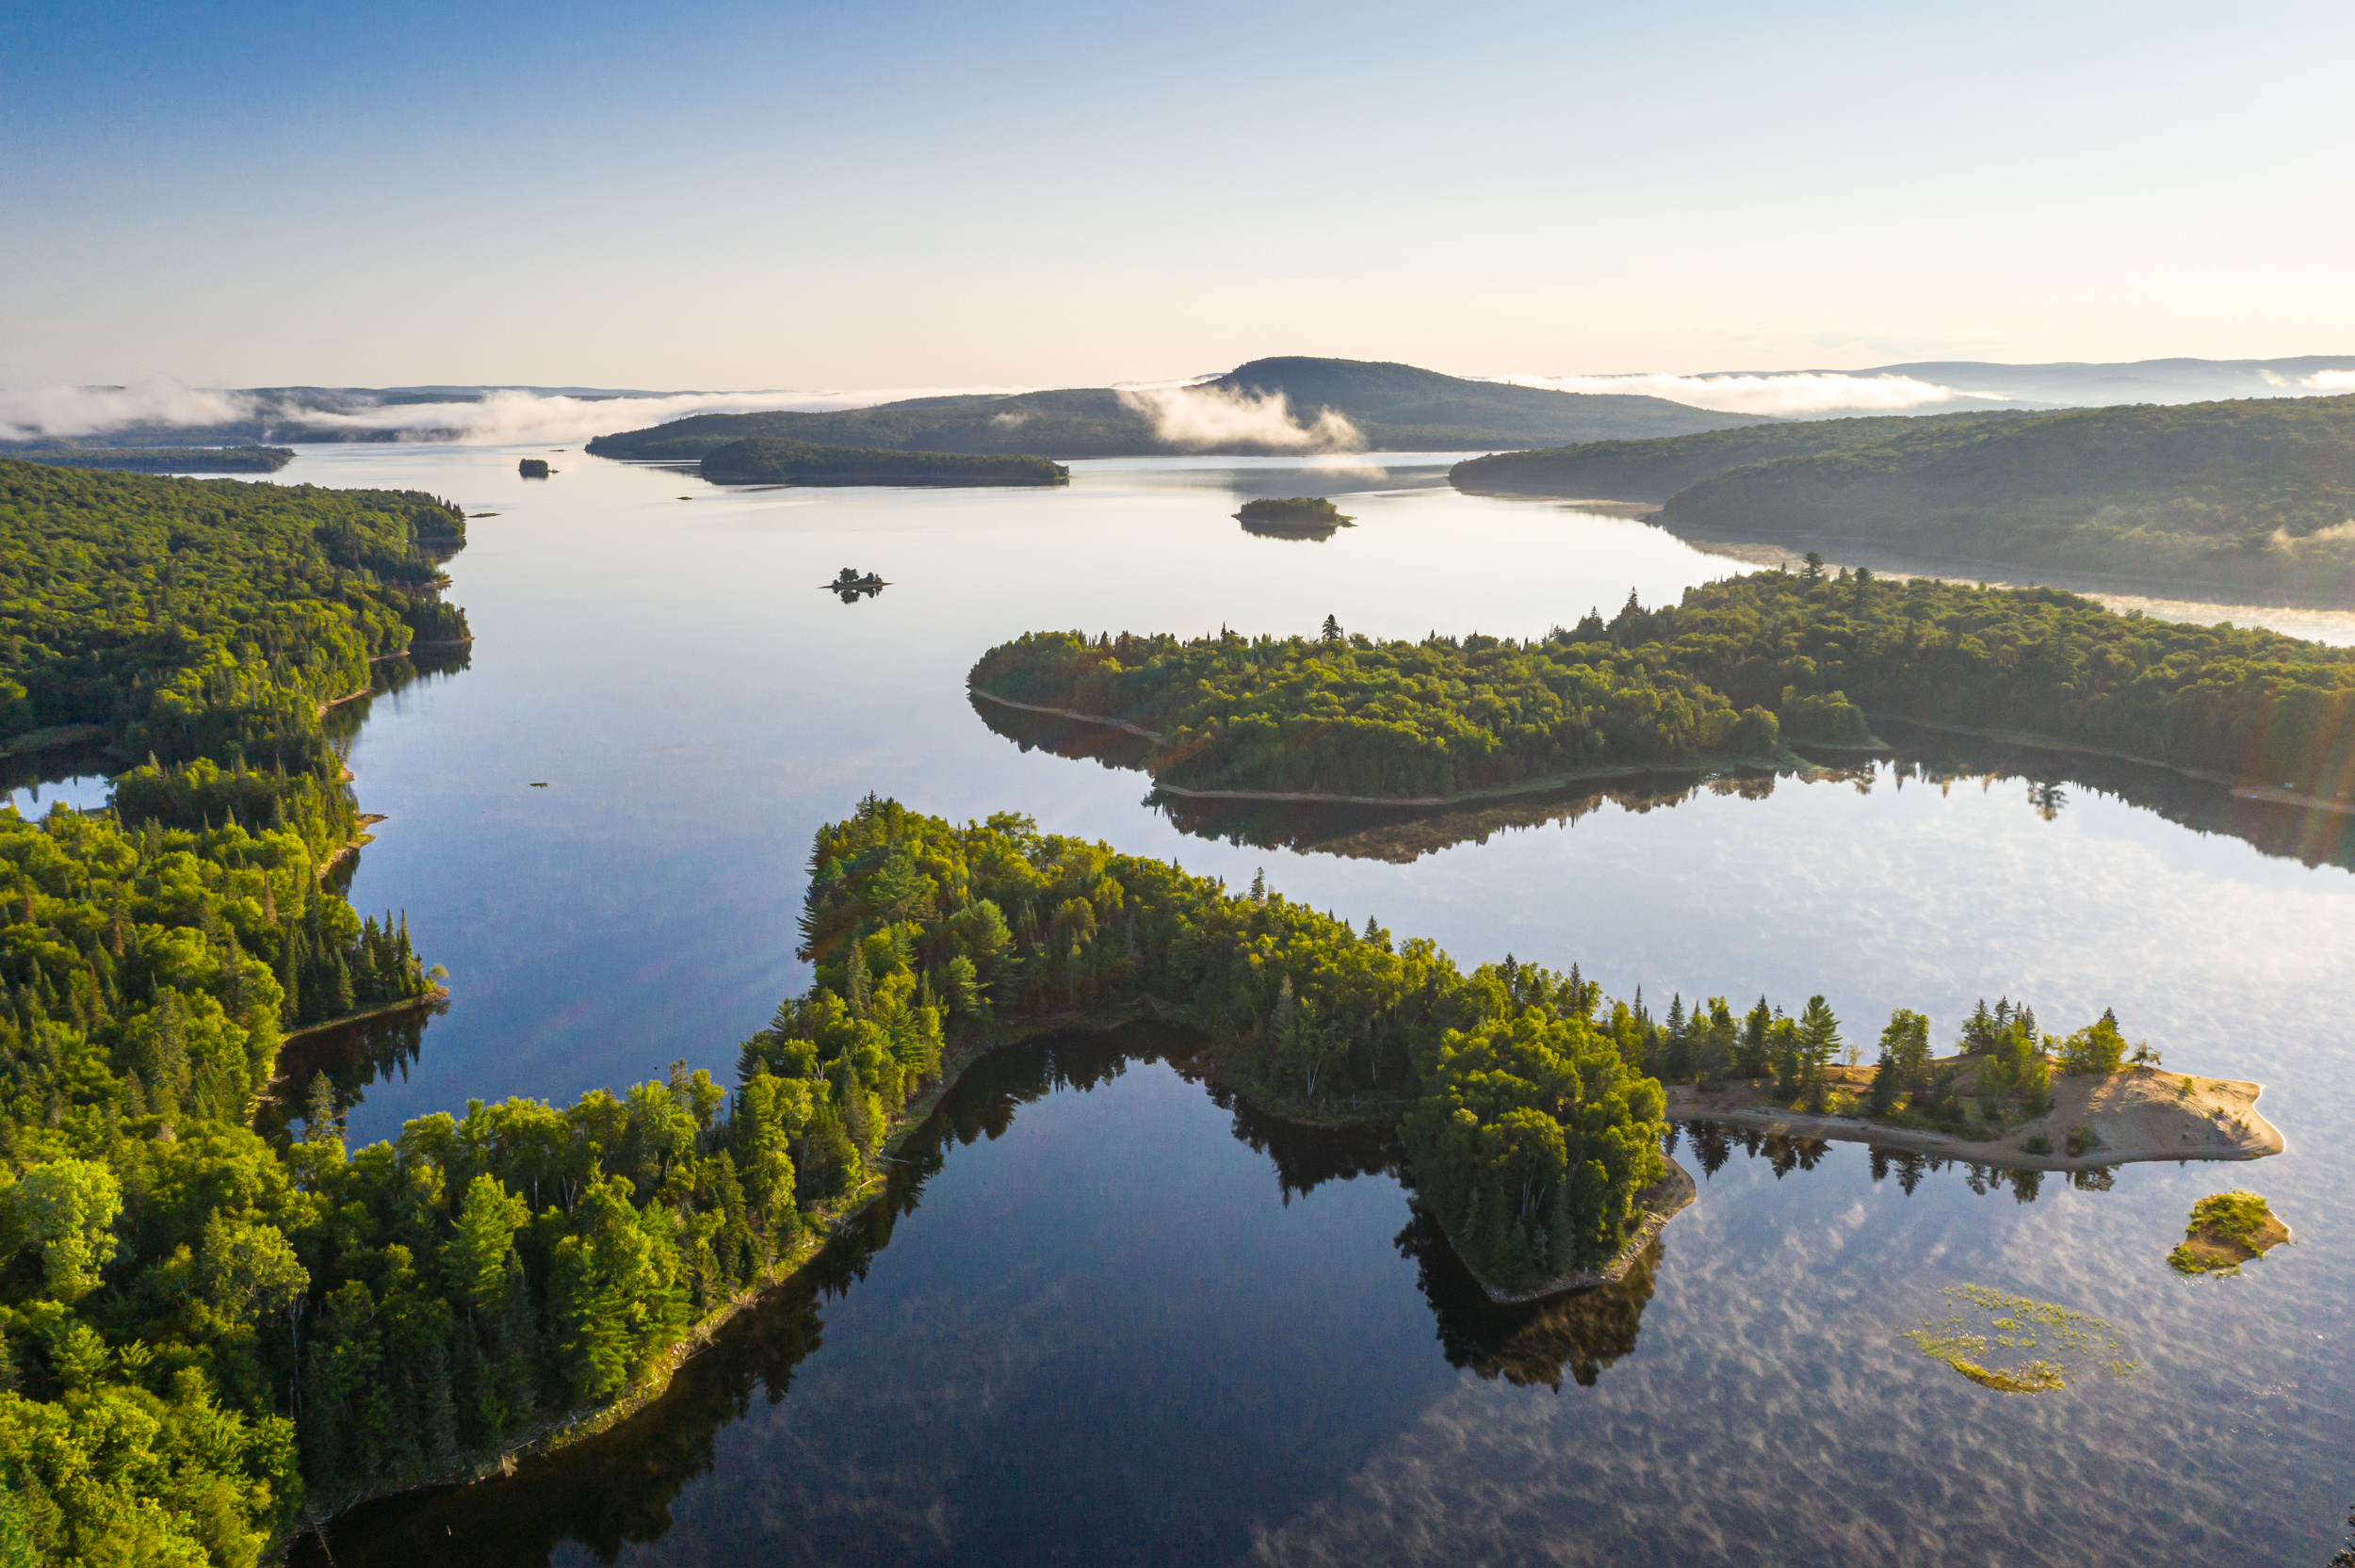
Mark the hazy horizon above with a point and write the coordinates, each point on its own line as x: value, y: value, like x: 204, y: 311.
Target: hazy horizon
x: 1049, y: 195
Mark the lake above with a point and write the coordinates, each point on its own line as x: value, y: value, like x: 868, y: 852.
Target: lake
x: 1107, y: 1318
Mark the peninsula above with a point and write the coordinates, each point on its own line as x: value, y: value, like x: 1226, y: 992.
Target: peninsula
x: 1731, y: 677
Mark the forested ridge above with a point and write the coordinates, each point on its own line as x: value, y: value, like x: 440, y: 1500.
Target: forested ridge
x: 1735, y: 668
x: 778, y: 460
x: 159, y: 460
x: 1655, y: 468
x: 2253, y: 493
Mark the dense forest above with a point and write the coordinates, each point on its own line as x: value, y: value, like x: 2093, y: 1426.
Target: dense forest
x: 1655, y: 468
x: 2256, y: 495
x: 160, y: 460
x: 1737, y: 668
x: 774, y: 460
x: 1393, y: 407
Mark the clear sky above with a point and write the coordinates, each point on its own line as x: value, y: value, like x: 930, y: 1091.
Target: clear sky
x: 906, y: 195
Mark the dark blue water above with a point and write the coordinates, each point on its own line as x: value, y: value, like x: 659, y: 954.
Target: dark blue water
x: 1105, y: 1335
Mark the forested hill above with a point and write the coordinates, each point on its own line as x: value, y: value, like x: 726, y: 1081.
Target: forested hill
x: 1736, y: 666
x: 2254, y: 495
x: 1394, y: 406
x: 1653, y: 470
x: 771, y: 461
x: 2257, y: 494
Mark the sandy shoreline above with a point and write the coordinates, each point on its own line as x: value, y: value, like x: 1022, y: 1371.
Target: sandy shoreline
x: 2140, y: 1113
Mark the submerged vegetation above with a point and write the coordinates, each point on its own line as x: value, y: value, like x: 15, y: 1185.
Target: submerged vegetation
x: 776, y: 460
x: 1736, y: 669
x: 2226, y: 1230
x: 1987, y: 1335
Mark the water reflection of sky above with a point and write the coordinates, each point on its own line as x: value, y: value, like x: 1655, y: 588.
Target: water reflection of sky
x: 697, y: 708
x: 83, y: 792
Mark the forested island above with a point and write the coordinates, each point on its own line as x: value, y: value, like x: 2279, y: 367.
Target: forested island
x: 2255, y: 495
x: 779, y: 460
x: 1390, y: 407
x: 159, y: 460
x: 1295, y: 516
x: 1731, y: 673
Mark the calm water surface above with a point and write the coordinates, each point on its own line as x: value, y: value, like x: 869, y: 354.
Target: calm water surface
x: 1107, y: 1319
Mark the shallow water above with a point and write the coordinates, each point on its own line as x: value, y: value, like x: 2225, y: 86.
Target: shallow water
x: 1104, y: 1333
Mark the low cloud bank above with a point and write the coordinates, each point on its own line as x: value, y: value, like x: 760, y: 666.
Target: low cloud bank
x: 2321, y: 381
x: 33, y: 412
x: 1799, y: 392
x: 1207, y: 417
x: 505, y: 417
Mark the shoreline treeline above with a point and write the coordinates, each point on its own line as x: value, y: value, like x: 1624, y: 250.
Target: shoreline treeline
x: 1737, y: 668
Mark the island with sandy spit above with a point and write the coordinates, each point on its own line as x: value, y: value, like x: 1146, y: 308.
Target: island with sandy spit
x: 1293, y: 517
x: 2010, y: 1096
x: 2226, y: 1230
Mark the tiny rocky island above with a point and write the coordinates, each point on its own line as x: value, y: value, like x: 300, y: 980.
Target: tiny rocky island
x: 532, y: 468
x: 1293, y: 517
x: 854, y: 585
x: 2226, y: 1230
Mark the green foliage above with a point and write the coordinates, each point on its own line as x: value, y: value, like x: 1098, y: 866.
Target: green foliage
x: 2257, y: 492
x: 1655, y: 469
x: 1527, y: 1117
x: 2097, y: 1048
x: 194, y: 617
x: 1393, y: 719
x: 161, y: 460
x: 1676, y: 684
x: 776, y: 460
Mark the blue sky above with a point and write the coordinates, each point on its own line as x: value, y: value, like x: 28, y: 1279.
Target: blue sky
x: 819, y: 196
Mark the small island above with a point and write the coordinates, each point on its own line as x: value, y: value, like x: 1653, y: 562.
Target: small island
x: 1293, y: 517
x: 2226, y: 1230
x: 767, y: 461
x: 854, y: 585
x: 533, y: 468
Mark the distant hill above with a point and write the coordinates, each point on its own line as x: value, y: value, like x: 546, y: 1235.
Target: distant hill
x: 2254, y: 496
x: 1394, y: 406
x: 766, y: 459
